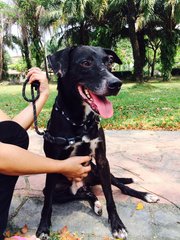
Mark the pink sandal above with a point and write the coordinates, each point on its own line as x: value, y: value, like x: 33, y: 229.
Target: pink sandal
x: 24, y: 238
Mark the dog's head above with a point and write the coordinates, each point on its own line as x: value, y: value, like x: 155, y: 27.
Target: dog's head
x: 88, y: 69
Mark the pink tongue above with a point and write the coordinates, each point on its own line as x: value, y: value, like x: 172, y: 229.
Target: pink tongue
x: 104, y: 106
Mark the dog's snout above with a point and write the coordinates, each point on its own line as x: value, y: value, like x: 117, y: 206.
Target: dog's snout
x: 114, y: 84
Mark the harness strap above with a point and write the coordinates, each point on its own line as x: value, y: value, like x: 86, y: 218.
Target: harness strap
x: 61, y: 140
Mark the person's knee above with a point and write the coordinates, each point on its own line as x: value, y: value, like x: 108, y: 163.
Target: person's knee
x: 13, y: 133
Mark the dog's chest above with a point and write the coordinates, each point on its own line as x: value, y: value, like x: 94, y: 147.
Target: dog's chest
x: 86, y: 146
x: 90, y: 139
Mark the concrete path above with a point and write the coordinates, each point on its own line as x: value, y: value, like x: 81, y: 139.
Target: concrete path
x: 152, y: 157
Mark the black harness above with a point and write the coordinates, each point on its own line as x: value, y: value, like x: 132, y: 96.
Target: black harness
x: 86, y: 126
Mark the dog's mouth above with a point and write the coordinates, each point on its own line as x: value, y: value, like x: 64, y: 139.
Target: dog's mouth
x: 98, y: 104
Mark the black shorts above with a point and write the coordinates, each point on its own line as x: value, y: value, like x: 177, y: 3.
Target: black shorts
x: 10, y: 133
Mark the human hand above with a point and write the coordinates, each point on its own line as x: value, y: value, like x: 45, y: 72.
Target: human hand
x: 36, y: 73
x: 73, y: 167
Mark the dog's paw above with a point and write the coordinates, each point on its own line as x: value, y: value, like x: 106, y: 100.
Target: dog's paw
x: 151, y: 198
x: 98, y: 208
x: 44, y: 236
x: 121, y: 234
x: 118, y: 229
x: 134, y: 180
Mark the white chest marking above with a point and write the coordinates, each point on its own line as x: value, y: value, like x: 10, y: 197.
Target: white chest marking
x: 93, y: 145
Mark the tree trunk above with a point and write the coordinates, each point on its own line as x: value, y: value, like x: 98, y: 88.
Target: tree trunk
x: 84, y: 35
x: 142, y: 47
x: 153, y: 63
x: 26, y: 47
x: 138, y: 69
x: 1, y: 46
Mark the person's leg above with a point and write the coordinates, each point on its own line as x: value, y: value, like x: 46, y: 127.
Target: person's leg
x: 11, y: 133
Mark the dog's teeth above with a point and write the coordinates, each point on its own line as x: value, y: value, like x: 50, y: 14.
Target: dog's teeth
x: 87, y: 94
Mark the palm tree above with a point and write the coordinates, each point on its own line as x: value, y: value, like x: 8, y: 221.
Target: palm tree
x: 74, y: 20
x: 137, y: 14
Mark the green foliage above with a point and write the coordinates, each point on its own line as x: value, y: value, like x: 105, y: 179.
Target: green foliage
x: 124, y: 51
x: 52, y: 46
x: 101, y: 36
x: 32, y: 20
x: 19, y: 66
x: 168, y: 52
x: 6, y: 60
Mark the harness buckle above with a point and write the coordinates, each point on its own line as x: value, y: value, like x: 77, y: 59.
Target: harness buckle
x: 71, y: 141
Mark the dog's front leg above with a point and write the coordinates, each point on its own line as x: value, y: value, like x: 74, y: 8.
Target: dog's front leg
x: 117, y: 226
x: 45, y: 222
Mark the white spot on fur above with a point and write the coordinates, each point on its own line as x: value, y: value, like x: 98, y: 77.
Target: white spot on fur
x: 151, y: 198
x: 98, y: 207
x: 135, y: 180
x: 122, y: 234
x: 75, y: 186
x: 86, y: 139
x: 44, y: 236
x: 75, y: 146
x: 88, y: 109
x: 94, y: 144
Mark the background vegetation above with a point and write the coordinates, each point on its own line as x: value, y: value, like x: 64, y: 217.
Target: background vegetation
x: 153, y: 105
x: 145, y: 33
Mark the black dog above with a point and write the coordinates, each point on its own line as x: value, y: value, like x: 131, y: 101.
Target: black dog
x: 84, y: 81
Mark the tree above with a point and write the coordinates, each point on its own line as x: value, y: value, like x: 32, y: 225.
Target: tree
x: 5, y: 35
x: 137, y: 14
x: 168, y: 16
x: 78, y: 18
x: 153, y: 44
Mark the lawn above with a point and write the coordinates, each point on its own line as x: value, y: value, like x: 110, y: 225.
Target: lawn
x: 153, y: 106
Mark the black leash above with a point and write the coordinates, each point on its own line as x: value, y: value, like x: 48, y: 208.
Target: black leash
x: 34, y: 87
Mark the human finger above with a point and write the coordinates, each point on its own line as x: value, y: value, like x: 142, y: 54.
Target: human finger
x: 86, y: 169
x: 34, y: 68
x: 78, y: 179
x: 85, y: 161
x: 70, y: 179
x: 34, y: 71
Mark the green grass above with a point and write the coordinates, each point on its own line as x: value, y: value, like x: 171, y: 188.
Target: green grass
x: 154, y: 105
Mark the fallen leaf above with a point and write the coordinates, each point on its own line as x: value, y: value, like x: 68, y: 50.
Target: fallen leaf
x: 139, y: 206
x: 63, y: 230
x: 8, y: 234
x: 66, y: 235
x: 106, y: 238
x: 24, y: 229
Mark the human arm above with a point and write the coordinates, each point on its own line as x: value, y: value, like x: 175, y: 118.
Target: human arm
x: 17, y: 161
x: 25, y: 118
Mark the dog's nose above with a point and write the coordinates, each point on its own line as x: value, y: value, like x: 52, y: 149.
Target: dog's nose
x: 114, y: 84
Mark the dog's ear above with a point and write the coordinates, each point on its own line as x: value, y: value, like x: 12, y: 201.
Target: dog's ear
x: 59, y: 61
x: 116, y: 59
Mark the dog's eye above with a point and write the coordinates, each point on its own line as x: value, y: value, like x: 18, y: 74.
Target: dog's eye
x: 109, y: 65
x: 86, y: 63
